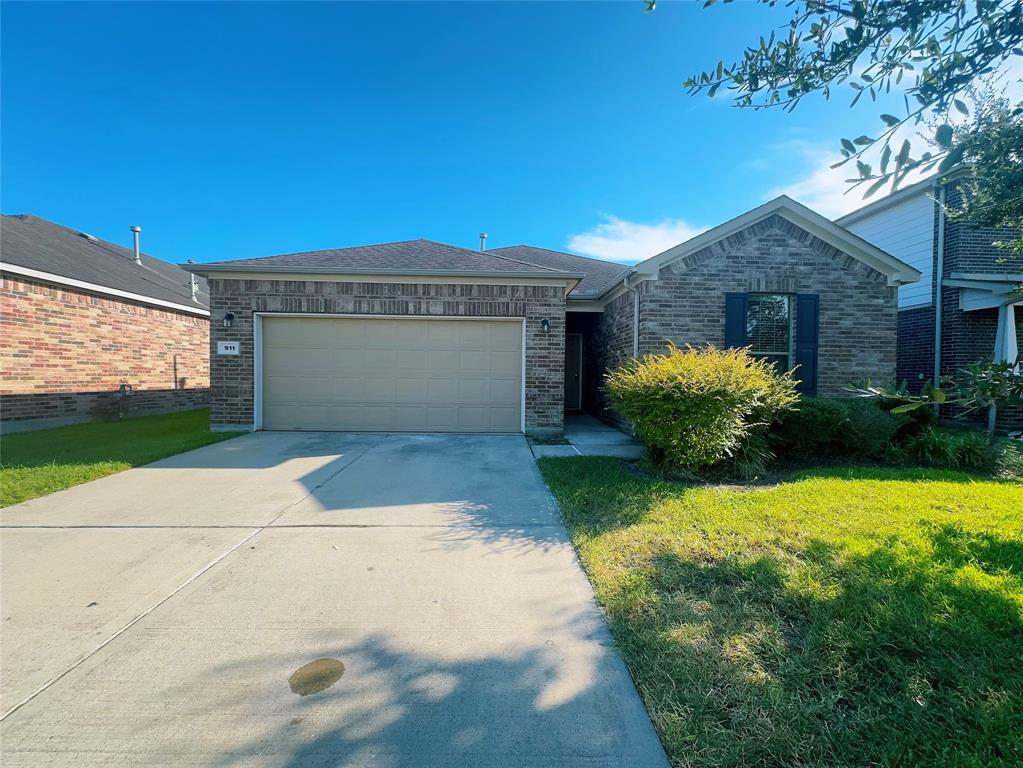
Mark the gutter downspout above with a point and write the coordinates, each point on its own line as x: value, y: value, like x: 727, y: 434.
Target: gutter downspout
x: 938, y: 298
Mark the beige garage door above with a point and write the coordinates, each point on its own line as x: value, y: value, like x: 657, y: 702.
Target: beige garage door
x: 380, y: 374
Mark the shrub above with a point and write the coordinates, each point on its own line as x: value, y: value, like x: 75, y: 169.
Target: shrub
x: 849, y: 427
x: 951, y: 449
x: 809, y: 430
x: 868, y: 430
x: 1008, y: 460
x: 697, y: 406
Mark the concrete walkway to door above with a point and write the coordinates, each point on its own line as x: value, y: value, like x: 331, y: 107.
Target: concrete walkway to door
x: 587, y: 436
x: 310, y: 599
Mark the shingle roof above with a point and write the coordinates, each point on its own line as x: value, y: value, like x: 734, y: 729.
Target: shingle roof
x: 405, y: 256
x: 34, y: 243
x: 599, y: 275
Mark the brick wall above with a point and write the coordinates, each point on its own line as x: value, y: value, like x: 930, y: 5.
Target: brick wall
x: 969, y: 248
x: 857, y: 326
x: 64, y: 353
x: 613, y: 345
x: 915, y: 363
x: 967, y: 337
x: 232, y: 388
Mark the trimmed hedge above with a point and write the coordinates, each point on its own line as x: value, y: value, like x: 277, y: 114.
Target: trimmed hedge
x: 698, y: 406
x: 819, y: 427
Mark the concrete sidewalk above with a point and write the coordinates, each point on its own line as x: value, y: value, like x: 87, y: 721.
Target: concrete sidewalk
x: 164, y: 624
x: 587, y: 436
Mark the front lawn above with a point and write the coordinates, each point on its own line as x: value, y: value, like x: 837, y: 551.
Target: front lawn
x: 845, y: 618
x: 37, y: 463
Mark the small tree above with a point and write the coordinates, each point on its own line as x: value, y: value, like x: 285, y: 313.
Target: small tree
x: 983, y: 385
x: 989, y: 386
x: 991, y: 149
x: 934, y: 50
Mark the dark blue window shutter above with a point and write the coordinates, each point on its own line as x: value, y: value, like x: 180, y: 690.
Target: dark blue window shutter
x: 807, y: 313
x: 735, y: 319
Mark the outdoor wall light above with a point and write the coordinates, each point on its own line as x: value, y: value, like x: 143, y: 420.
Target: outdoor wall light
x: 545, y: 325
x: 228, y: 319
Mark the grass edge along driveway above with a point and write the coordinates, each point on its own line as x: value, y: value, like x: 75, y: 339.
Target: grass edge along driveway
x: 37, y: 463
x: 849, y: 617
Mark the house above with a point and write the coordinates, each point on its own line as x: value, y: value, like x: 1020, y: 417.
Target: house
x: 979, y: 315
x: 418, y: 335
x: 91, y: 328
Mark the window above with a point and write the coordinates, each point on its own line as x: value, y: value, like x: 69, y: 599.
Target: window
x: 769, y: 328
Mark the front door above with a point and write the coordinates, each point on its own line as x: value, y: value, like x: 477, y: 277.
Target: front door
x: 573, y: 372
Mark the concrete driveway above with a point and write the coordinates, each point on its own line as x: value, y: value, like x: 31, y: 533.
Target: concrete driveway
x: 195, y: 611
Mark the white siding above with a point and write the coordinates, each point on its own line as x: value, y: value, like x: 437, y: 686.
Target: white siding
x: 906, y: 231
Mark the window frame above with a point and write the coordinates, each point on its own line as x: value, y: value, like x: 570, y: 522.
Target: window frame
x: 770, y: 356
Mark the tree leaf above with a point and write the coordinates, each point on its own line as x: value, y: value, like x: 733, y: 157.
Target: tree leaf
x: 952, y: 159
x: 943, y: 135
x: 961, y: 106
x: 890, y: 120
x: 903, y: 156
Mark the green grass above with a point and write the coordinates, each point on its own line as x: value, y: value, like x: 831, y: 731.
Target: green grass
x: 37, y: 463
x: 849, y: 617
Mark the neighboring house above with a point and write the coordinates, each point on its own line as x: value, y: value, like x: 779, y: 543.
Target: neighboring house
x: 81, y: 317
x: 980, y: 315
x: 418, y: 335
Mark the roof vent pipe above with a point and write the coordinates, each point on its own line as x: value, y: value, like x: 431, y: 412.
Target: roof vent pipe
x: 483, y: 241
x: 135, y: 237
x: 195, y: 284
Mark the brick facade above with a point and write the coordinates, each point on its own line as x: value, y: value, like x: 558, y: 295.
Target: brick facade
x: 232, y: 392
x: 966, y: 337
x: 857, y: 324
x: 915, y: 363
x: 613, y: 345
x: 64, y: 354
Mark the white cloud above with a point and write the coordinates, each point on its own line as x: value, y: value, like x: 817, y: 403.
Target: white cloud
x: 616, y: 239
x: 826, y: 189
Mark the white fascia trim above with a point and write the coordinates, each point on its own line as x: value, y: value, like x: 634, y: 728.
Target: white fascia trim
x: 584, y: 305
x: 898, y: 272
x: 988, y: 277
x: 93, y: 288
x: 972, y: 299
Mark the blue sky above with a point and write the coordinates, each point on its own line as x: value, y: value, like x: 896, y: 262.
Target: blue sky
x: 239, y: 130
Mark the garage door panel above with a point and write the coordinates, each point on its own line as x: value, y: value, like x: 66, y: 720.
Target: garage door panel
x: 502, y: 417
x: 505, y: 391
x: 379, y: 334
x: 411, y: 335
x: 475, y: 360
x: 380, y: 360
x: 443, y: 334
x: 391, y: 374
x: 474, y: 334
x: 410, y: 390
x: 442, y: 360
x: 506, y: 337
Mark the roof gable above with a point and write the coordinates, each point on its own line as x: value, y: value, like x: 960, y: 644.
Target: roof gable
x: 897, y: 272
x: 42, y: 246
